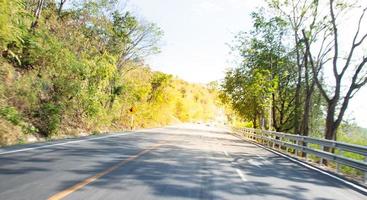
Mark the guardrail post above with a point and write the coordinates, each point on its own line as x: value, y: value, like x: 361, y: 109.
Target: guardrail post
x: 338, y: 166
x: 261, y: 141
x: 321, y: 159
x: 296, y: 150
x: 262, y: 137
x: 303, y: 150
x: 258, y: 134
x: 280, y: 144
x: 305, y: 147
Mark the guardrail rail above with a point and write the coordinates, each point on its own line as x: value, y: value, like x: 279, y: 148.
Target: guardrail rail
x: 301, y: 146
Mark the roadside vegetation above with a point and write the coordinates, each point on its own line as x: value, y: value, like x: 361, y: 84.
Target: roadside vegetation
x: 68, y: 67
x: 299, y: 67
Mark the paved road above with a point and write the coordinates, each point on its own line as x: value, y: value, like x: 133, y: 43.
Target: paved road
x: 178, y: 162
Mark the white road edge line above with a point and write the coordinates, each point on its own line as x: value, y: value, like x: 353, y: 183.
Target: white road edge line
x: 63, y: 143
x: 316, y: 169
x: 226, y: 153
x: 239, y: 172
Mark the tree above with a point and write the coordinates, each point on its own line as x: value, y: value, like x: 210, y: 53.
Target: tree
x: 298, y: 14
x: 248, y: 93
x: 337, y: 102
x: 132, y: 40
x: 61, y: 5
x: 266, y: 78
x: 37, y: 13
x: 278, y: 60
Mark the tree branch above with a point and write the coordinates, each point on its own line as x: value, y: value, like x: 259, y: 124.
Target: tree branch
x: 336, y: 45
x: 353, y: 86
x: 354, y: 44
x: 315, y: 69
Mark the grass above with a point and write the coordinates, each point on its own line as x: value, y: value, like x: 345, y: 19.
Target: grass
x: 7, y: 127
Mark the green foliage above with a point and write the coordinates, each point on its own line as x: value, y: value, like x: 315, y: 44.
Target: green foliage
x: 49, y: 116
x: 11, y: 115
x: 11, y: 12
x: 351, y: 133
x: 83, y: 70
x: 280, y: 81
x: 264, y: 83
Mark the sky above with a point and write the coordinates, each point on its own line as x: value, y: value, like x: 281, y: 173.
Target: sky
x: 196, y: 37
x: 196, y: 33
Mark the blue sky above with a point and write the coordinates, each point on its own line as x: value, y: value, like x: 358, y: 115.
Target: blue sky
x: 196, y: 33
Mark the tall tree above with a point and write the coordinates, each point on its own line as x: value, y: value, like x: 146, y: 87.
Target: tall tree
x: 297, y: 14
x: 336, y: 96
x: 266, y: 75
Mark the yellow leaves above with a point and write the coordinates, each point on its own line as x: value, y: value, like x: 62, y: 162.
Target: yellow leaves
x: 163, y: 99
x: 87, y: 76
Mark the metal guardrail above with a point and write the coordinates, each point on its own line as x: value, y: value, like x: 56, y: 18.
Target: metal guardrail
x: 301, y: 144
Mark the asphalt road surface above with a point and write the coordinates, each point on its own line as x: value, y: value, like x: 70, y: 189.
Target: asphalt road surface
x: 177, y: 162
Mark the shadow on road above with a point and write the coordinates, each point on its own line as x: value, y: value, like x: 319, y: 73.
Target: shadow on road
x: 188, y: 166
x: 186, y: 170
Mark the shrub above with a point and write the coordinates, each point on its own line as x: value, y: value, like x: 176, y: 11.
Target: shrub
x: 48, y: 119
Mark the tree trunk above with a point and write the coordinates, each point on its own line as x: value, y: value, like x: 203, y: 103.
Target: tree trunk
x: 61, y: 5
x: 308, y: 101
x: 37, y: 13
x: 273, y: 113
x: 330, y: 130
x: 298, y: 87
x: 331, y: 126
x: 297, y: 106
x: 306, y: 115
x: 254, y: 119
x: 262, y: 122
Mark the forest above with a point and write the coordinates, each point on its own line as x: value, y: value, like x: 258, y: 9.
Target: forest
x: 73, y: 67
x: 299, y: 67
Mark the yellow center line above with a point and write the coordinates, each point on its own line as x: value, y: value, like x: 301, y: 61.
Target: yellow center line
x: 78, y: 186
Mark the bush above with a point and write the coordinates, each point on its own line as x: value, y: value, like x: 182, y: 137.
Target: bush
x: 11, y: 115
x: 48, y: 119
x: 9, y: 133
